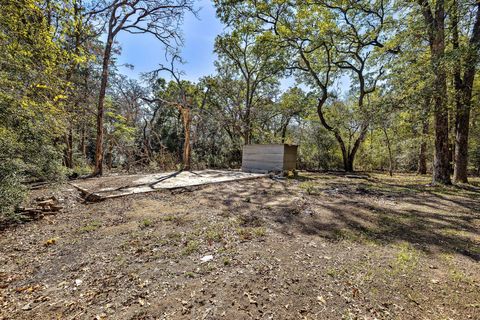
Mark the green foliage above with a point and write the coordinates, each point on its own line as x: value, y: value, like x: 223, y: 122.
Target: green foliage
x: 31, y: 102
x: 12, y: 192
x: 81, y: 167
x: 318, y: 150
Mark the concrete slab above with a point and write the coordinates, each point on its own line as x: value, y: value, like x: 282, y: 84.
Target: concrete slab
x: 118, y: 186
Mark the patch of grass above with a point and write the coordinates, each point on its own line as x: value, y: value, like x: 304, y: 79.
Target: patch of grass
x: 458, y: 276
x: 189, y: 274
x: 226, y: 261
x: 174, y: 235
x: 391, y: 220
x: 332, y: 272
x: 173, y: 238
x: 176, y: 219
x: 413, y: 296
x: 192, y: 246
x: 259, y: 232
x: 454, y: 273
x: 249, y: 233
x: 406, y: 259
x: 207, y: 268
x: 291, y: 174
x: 170, y: 218
x: 145, y: 223
x: 250, y: 221
x: 213, y: 235
x: 309, y: 187
x: 454, y: 232
x: 474, y: 249
x: 120, y: 260
x: 244, y: 233
x: 366, y: 236
x: 348, y: 315
x: 195, y: 234
x: 90, y: 227
x: 227, y: 250
x: 233, y: 222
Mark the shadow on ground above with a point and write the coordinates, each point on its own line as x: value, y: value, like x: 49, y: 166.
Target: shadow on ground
x: 433, y: 219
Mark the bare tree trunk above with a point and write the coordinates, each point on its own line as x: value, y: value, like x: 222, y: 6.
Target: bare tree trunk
x: 186, y: 144
x: 69, y: 148
x: 100, y: 111
x: 83, y: 147
x: 460, y: 173
x: 435, y: 21
x: 247, y: 134
x: 464, y: 101
x: 349, y: 163
x: 441, y: 161
x: 451, y: 138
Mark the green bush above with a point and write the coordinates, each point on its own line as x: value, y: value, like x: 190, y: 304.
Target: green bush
x: 12, y: 192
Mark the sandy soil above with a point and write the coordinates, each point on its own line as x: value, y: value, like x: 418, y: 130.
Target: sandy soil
x: 323, y: 246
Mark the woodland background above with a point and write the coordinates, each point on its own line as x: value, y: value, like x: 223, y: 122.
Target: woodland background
x: 376, y: 85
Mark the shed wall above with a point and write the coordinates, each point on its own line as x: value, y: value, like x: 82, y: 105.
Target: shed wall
x: 258, y: 157
x: 269, y: 157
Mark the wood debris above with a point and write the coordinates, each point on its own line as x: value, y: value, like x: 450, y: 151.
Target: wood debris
x: 41, y: 207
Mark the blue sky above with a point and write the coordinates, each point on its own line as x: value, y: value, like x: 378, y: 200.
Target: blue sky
x: 145, y: 52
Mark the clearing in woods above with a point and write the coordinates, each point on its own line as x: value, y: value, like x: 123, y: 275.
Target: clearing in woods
x: 323, y: 246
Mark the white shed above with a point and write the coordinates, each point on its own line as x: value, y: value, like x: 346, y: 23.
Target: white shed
x: 269, y: 157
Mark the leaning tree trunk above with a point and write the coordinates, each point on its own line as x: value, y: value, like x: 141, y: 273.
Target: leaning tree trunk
x: 284, y: 133
x: 390, y: 156
x: 284, y: 129
x: 100, y: 111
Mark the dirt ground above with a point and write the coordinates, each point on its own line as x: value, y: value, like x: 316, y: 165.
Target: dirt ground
x: 322, y: 246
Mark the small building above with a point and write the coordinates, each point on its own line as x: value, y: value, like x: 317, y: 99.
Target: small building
x: 269, y: 157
